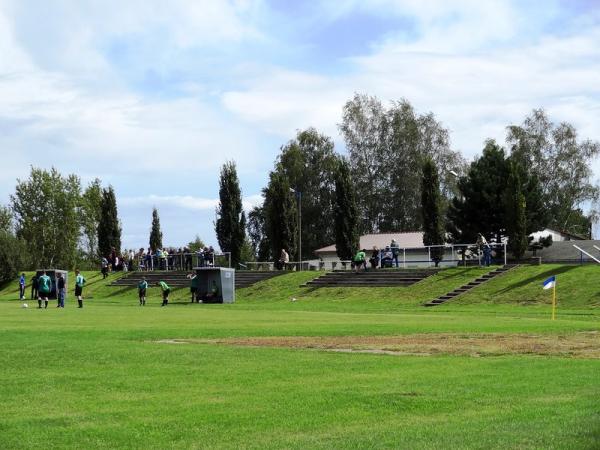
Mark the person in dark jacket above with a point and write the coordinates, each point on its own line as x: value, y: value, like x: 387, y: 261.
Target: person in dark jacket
x: 374, y: 259
x: 34, y: 287
x: 60, y: 291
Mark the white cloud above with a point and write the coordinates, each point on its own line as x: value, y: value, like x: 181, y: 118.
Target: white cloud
x: 179, y: 201
x: 66, y: 99
x: 187, y: 202
x: 456, y: 68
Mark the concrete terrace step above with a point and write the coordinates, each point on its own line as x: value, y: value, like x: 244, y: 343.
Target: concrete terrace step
x: 467, y: 287
x: 371, y: 278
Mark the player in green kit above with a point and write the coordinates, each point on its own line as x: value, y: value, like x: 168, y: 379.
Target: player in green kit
x: 142, y: 286
x: 166, y: 290
x: 79, y: 282
x: 44, y: 288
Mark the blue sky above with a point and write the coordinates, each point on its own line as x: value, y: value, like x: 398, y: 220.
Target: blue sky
x: 154, y: 96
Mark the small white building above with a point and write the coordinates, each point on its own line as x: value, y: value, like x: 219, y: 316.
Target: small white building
x: 412, y: 250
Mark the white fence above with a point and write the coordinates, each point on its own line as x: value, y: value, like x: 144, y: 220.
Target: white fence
x: 406, y: 257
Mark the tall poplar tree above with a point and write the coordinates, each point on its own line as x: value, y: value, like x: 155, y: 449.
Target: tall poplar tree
x: 431, y: 208
x: 257, y: 233
x: 109, y: 229
x: 515, y: 213
x: 230, y: 226
x: 90, y: 212
x: 280, y: 215
x: 156, y: 235
x: 345, y: 213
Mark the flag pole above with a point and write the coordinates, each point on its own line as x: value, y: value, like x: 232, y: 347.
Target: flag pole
x: 554, y: 301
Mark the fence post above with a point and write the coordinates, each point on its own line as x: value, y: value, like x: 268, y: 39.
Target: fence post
x: 404, y: 258
x: 429, y: 256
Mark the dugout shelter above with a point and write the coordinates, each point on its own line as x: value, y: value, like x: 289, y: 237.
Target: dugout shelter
x: 216, y: 284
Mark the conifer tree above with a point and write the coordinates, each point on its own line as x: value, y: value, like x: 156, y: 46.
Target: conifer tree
x: 431, y: 209
x: 516, y: 213
x: 230, y: 226
x: 155, y: 232
x: 280, y: 215
x: 109, y: 229
x: 345, y: 213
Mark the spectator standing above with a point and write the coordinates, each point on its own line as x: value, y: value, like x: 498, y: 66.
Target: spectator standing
x: 113, y: 259
x: 187, y: 257
x: 166, y: 290
x: 386, y: 260
x: 360, y: 260
x: 200, y: 255
x: 481, y: 245
x: 44, y: 288
x: 487, y: 255
x: 142, y: 286
x: 284, y: 258
x: 211, y: 256
x: 79, y: 282
x: 164, y: 261
x: 34, y: 287
x: 149, y: 261
x: 374, y: 259
x: 22, y: 287
x: 60, y: 291
x: 395, y: 251
x: 104, y: 267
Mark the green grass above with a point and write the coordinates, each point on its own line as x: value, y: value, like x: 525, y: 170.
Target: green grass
x: 96, y: 378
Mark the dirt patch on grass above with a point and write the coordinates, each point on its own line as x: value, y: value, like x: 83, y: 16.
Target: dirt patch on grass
x: 576, y: 345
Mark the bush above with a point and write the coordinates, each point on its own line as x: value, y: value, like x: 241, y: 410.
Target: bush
x: 13, y: 257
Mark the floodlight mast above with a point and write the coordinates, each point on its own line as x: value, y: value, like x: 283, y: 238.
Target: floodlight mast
x: 299, y: 195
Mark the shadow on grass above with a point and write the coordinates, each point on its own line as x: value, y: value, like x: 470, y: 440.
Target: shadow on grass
x: 535, y: 278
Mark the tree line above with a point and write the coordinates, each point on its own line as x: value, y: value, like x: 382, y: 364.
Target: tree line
x: 52, y: 221
x: 394, y: 157
x: 399, y: 174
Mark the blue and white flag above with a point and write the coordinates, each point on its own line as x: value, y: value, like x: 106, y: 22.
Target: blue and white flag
x: 550, y: 282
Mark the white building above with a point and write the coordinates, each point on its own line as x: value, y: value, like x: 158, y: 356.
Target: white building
x: 412, y: 250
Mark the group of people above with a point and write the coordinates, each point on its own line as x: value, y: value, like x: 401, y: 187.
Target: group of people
x: 143, y: 286
x: 43, y: 287
x: 379, y: 258
x: 117, y: 261
x: 212, y: 294
x: 175, y: 258
x: 167, y: 258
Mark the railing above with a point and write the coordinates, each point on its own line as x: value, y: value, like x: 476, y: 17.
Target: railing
x: 583, y: 252
x: 474, y: 252
x: 182, y: 261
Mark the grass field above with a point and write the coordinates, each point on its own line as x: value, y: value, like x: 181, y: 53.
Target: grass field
x: 337, y: 368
